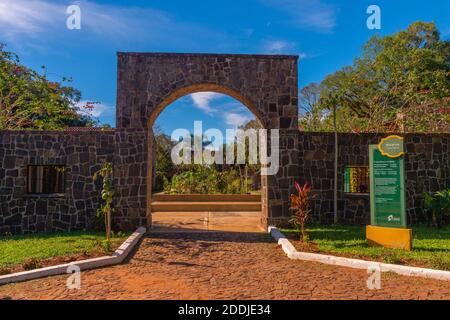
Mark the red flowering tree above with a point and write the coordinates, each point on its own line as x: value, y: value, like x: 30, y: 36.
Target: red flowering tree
x: 29, y: 100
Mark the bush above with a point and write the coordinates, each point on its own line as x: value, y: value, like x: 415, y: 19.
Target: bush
x: 198, y: 179
x: 438, y: 205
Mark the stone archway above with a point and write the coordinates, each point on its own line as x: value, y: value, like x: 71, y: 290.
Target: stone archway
x: 148, y: 82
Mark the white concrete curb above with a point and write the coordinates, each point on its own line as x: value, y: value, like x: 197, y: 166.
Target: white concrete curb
x: 116, y: 258
x: 292, y: 253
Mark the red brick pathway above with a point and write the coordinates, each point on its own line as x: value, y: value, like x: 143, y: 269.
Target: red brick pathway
x: 223, y: 266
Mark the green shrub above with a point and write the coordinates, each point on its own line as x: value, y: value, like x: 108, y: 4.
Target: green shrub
x: 391, y: 257
x: 438, y: 205
x: 106, y: 246
x: 440, y: 263
x: 199, y: 179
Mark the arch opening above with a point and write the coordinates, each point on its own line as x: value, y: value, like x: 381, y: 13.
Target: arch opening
x: 208, y: 196
x: 205, y: 87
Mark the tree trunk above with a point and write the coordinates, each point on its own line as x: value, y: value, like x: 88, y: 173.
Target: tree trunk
x: 108, y: 225
x: 303, y: 233
x: 336, y: 160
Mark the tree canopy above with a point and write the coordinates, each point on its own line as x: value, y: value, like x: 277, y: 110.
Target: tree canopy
x: 28, y: 100
x: 401, y: 82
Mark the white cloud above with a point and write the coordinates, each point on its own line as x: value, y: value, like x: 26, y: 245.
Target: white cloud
x: 236, y: 119
x: 28, y: 17
x: 278, y: 46
x: 303, y: 55
x: 202, y: 100
x: 283, y: 47
x: 37, y: 17
x: 99, y: 109
x: 44, y: 20
x: 307, y: 14
x: 233, y: 113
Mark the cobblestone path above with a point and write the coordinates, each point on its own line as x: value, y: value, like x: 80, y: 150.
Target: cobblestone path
x: 223, y: 266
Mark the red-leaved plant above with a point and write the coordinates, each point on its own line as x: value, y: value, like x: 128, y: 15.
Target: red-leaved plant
x: 300, y: 208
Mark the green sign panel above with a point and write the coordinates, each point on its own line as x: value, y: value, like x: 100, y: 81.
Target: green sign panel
x: 387, y: 187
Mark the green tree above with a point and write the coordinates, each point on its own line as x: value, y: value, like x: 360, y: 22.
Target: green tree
x: 249, y: 173
x: 164, y: 167
x: 400, y: 83
x: 197, y: 178
x: 29, y: 100
x: 312, y: 113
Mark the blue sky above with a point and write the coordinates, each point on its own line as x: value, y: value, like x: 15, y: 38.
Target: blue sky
x: 326, y: 34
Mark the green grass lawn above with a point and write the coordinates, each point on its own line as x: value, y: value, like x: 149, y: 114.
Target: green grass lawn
x: 431, y: 246
x: 16, y: 250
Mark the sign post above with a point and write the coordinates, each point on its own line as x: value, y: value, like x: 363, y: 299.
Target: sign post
x: 387, y: 196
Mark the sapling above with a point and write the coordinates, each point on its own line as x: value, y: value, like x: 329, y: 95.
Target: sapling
x: 106, y: 172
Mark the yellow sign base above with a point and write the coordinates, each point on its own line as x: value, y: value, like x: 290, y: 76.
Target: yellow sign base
x: 393, y: 238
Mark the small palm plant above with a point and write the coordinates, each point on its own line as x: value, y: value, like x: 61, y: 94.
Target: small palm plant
x: 301, y: 210
x: 106, y: 172
x: 438, y: 204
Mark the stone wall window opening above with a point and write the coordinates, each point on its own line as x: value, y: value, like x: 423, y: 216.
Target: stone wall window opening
x: 356, y: 180
x: 45, y: 179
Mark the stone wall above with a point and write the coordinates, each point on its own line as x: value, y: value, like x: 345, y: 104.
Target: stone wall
x: 81, y: 152
x: 427, y: 169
